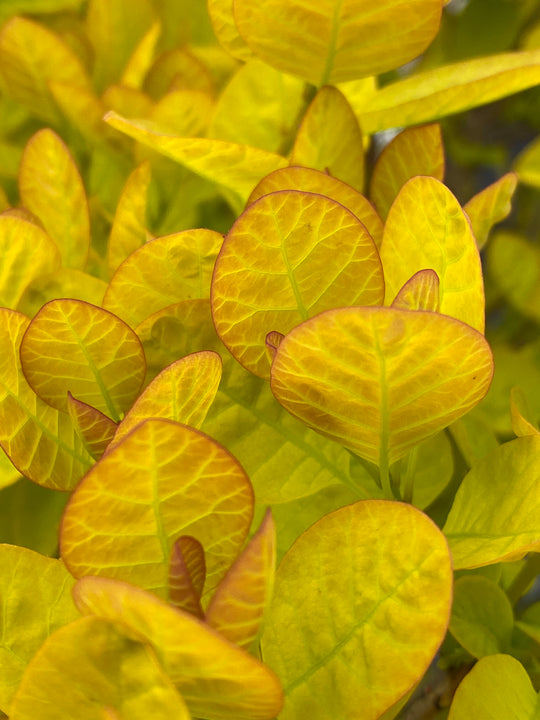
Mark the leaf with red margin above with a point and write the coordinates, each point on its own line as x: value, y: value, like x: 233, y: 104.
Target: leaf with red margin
x: 490, y: 206
x: 415, y: 151
x: 95, y: 429
x: 421, y: 292
x: 222, y: 17
x: 187, y: 573
x: 163, y: 480
x: 237, y: 608
x: 289, y: 256
x: 72, y: 346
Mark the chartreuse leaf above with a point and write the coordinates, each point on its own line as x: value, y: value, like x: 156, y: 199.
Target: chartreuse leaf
x: 128, y: 231
x: 141, y: 59
x: 35, y: 600
x: 450, y: 89
x: 83, y: 110
x: 91, y: 670
x: 495, y: 515
x: 521, y: 414
x: 314, y: 181
x: 51, y: 187
x: 178, y: 69
x: 389, y: 606
x: 187, y: 573
x: 426, y: 228
x: 319, y: 43
x: 427, y: 470
x: 415, y: 151
x: 497, y: 688
x: 289, y: 256
x: 17, y: 7
x: 30, y: 57
x: 40, y: 441
x: 162, y: 272
x: 95, y: 429
x: 237, y: 167
x: 330, y: 138
x: 490, y: 206
x: 527, y: 165
x: 514, y: 266
x: 62, y: 283
x: 529, y: 621
x: 482, y: 619
x: 162, y: 481
x: 380, y: 380
x: 8, y: 472
x: 421, y: 292
x: 183, y: 391
x: 237, y: 607
x: 27, y: 252
x: 72, y: 346
x: 216, y: 678
x: 222, y: 17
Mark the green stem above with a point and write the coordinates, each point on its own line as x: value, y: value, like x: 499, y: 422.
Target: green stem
x: 384, y: 473
x: 524, y: 578
x: 408, y: 476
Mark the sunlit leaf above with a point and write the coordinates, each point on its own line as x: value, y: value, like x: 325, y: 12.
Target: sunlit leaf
x: 513, y: 264
x: 162, y: 272
x: 187, y: 573
x: 289, y: 256
x: 389, y: 606
x: 314, y: 181
x: 222, y: 17
x: 40, y: 441
x: 72, y: 346
x: 496, y: 512
x: 216, y: 679
x: 238, y: 167
x: 490, y: 206
x: 421, y: 292
x: 183, y: 391
x: 30, y: 57
x: 128, y: 231
x: 521, y: 414
x: 51, y: 187
x: 35, y: 600
x: 380, y: 380
x: 497, y: 688
x: 415, y: 151
x: 90, y: 670
x: 237, y: 608
x: 27, y: 252
x: 162, y: 481
x: 62, y: 283
x: 426, y: 228
x: 185, y: 113
x: 330, y: 138
x: 320, y: 43
x: 95, y: 429
x: 450, y: 89
x: 141, y: 59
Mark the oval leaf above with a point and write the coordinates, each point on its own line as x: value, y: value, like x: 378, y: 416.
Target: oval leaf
x: 95, y: 429
x: 490, y: 206
x: 421, y: 292
x: 187, y: 573
x: 221, y: 15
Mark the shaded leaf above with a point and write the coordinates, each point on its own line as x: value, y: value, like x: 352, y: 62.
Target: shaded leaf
x: 187, y: 573
x: 513, y: 264
x: 141, y: 59
x: 490, y: 206
x: 521, y: 414
x: 527, y: 164
x: 95, y: 429
x: 62, y: 283
x: 177, y: 69
x: 83, y: 110
x: 222, y: 17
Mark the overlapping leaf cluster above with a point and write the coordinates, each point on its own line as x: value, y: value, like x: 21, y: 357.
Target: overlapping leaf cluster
x: 163, y: 383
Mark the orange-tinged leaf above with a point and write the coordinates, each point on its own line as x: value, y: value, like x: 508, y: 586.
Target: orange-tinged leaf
x: 27, y: 252
x: 289, y: 256
x: 490, y: 206
x: 30, y: 57
x: 90, y: 670
x: 421, y: 292
x: 183, y: 391
x: 388, y: 601
x: 62, y: 283
x: 486, y: 523
x: 162, y: 272
x: 185, y: 113
x: 415, y: 151
x: 162, y: 481
x: 95, y: 429
x: 237, y: 608
x: 426, y: 228
x: 187, y: 573
x: 35, y: 600
x: 222, y: 17
x: 380, y: 380
x: 237, y: 167
x: 320, y: 43
x: 330, y: 138
x: 128, y: 231
x: 124, y: 99
x: 216, y: 679
x: 141, y: 59
x: 72, y: 346
x: 315, y: 181
x: 51, y: 187
x: 450, y: 89
x: 40, y: 441
x: 521, y: 414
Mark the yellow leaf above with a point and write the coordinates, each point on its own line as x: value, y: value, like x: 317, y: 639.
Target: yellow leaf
x: 320, y: 43
x: 124, y: 99
x: 426, y: 228
x: 527, y: 164
x: 95, y: 429
x: 330, y: 138
x: 63, y: 283
x: 490, y: 206
x: 449, y: 89
x: 521, y: 414
x: 187, y: 573
x: 185, y: 113
x: 141, y: 59
x: 380, y: 575
x: 415, y: 151
x: 421, y: 292
x: 77, y: 347
x: 51, y: 187
x: 162, y: 481
x: 177, y: 69
x: 216, y: 679
x: 289, y: 256
x: 222, y: 17
x: 164, y: 271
